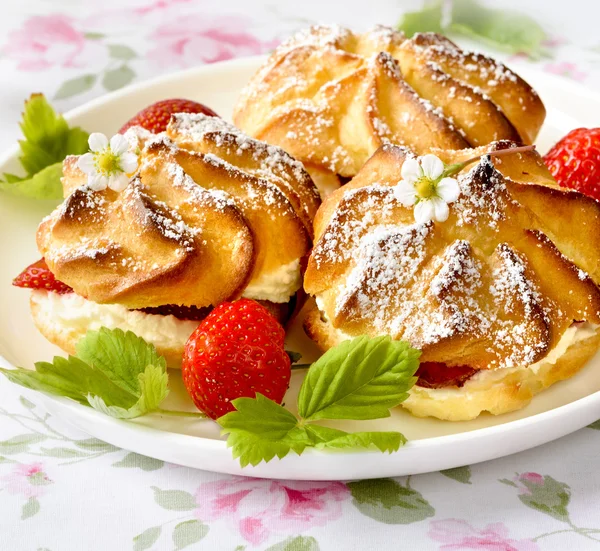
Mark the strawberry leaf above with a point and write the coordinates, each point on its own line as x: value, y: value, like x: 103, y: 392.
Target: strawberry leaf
x: 359, y: 379
x: 48, y: 139
x: 115, y: 372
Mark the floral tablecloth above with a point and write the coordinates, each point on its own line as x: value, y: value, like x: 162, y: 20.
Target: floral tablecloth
x: 62, y: 490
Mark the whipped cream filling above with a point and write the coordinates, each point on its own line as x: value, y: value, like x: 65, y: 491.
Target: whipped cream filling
x: 276, y: 286
x: 73, y: 313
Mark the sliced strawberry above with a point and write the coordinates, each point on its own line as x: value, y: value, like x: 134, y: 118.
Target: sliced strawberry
x: 155, y: 117
x: 39, y: 276
x: 192, y: 313
x: 439, y: 375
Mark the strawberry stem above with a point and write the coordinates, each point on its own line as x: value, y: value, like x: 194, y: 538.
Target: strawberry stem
x: 451, y: 170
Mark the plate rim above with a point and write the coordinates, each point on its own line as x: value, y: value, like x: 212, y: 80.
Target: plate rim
x: 571, y: 409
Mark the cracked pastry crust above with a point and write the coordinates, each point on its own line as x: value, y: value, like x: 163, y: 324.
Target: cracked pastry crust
x: 485, y: 289
x: 331, y: 97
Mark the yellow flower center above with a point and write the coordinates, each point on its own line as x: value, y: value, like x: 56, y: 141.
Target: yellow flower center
x: 107, y: 162
x: 425, y: 187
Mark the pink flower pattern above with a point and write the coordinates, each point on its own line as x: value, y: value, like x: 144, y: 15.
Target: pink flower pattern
x: 259, y: 508
x: 565, y: 69
x: 455, y: 534
x: 194, y: 39
x: 45, y: 41
x: 26, y: 480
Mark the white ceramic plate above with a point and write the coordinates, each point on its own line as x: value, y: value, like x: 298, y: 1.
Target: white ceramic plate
x: 433, y: 444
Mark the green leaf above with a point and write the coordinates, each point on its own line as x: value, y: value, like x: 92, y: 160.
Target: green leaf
x: 500, y: 28
x: 95, y: 445
x: 45, y: 184
x: 20, y: 443
x: 121, y: 356
x: 388, y: 502
x: 63, y: 453
x: 118, y: 381
x: 134, y: 460
x: 260, y: 429
x: 117, y: 78
x: 429, y: 19
x: 26, y: 403
x: 174, y: 500
x: 189, y: 532
x: 75, y: 86
x: 508, y: 482
x: 595, y: 425
x: 153, y: 390
x: 146, y: 539
x: 460, y: 474
x: 383, y: 441
x: 31, y: 508
x: 358, y: 379
x: 550, y: 497
x: 298, y: 543
x: 48, y: 140
x: 120, y: 51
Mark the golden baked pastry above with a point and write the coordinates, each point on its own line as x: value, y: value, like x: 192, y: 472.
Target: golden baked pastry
x: 331, y: 97
x: 210, y: 215
x: 492, y: 293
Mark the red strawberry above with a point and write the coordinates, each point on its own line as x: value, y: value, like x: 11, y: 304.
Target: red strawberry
x: 236, y: 351
x: 575, y: 161
x: 39, y: 276
x: 156, y: 116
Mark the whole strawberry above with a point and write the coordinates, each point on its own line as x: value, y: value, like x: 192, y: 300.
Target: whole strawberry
x: 235, y: 352
x: 575, y: 161
x: 156, y: 116
x: 39, y: 276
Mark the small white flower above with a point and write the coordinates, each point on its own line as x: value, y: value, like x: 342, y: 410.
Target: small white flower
x: 109, y: 163
x: 422, y: 185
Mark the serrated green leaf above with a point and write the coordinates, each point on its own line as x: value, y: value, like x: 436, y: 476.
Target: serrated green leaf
x: 31, y: 508
x: 383, y: 441
x: 298, y: 543
x: 260, y: 430
x: 504, y: 29
x: 20, y: 443
x: 117, y: 382
x: 386, y: 501
x: 189, y: 532
x: 358, y: 379
x: 121, y: 51
x: 117, y: 78
x: 95, y: 445
x: 136, y: 461
x: 121, y: 356
x: 595, y: 425
x: 428, y: 19
x: 460, y: 474
x: 147, y: 538
x: 45, y: 184
x: 174, y: 500
x: 153, y: 390
x: 75, y: 86
x: 48, y: 140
